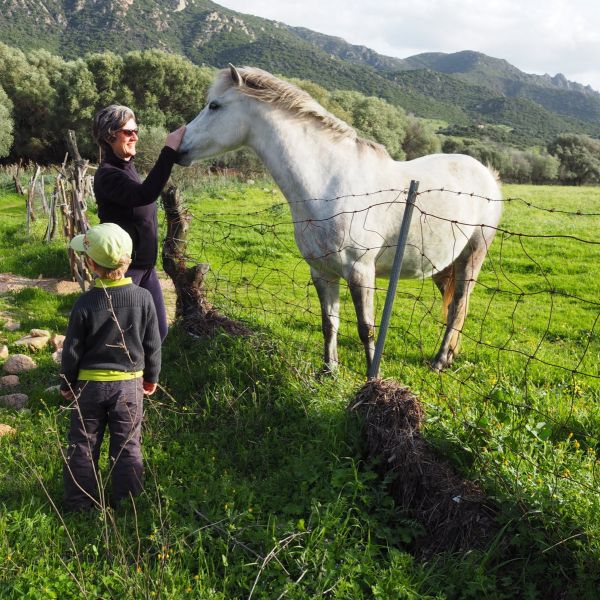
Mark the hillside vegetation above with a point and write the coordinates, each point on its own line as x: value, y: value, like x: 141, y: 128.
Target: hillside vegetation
x: 209, y: 34
x: 42, y: 96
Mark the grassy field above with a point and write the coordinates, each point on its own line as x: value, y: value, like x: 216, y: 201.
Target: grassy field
x: 256, y: 485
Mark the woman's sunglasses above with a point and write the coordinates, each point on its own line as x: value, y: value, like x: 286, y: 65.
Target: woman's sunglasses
x: 129, y: 132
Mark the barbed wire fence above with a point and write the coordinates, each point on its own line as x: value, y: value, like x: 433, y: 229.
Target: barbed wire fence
x: 527, y: 378
x: 528, y: 373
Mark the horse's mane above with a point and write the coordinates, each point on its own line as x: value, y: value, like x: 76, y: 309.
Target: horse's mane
x: 265, y: 87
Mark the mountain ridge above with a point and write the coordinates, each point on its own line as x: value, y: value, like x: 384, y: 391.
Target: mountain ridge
x: 484, y: 89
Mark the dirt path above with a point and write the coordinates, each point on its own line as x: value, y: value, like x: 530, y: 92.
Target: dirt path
x: 14, y: 283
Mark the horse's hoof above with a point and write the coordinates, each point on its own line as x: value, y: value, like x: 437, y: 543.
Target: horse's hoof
x: 439, y: 363
x: 436, y: 365
x: 328, y: 371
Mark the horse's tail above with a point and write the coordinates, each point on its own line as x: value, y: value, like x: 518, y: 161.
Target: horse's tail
x: 448, y: 293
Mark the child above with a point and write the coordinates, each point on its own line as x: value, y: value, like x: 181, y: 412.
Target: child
x: 110, y: 359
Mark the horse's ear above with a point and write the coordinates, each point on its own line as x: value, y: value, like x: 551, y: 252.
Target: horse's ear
x: 235, y: 75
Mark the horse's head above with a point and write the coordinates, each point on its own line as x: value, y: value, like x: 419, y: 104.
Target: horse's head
x: 223, y: 123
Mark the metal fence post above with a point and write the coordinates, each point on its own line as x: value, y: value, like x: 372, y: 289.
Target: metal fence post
x: 394, y: 276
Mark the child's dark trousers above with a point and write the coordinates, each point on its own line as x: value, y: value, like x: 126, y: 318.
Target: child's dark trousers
x: 118, y: 404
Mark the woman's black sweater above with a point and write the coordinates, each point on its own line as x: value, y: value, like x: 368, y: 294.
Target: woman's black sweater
x: 127, y: 201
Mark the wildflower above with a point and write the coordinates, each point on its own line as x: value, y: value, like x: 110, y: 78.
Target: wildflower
x: 576, y: 444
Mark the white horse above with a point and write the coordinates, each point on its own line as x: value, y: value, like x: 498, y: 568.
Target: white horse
x: 344, y: 196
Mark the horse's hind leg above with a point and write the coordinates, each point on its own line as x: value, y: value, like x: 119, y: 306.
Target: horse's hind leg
x: 456, y: 283
x: 362, y: 288
x: 328, y: 290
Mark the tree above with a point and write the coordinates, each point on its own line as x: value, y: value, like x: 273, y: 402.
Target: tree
x: 168, y: 90
x: 419, y: 139
x: 325, y: 98
x: 33, y: 98
x: 544, y: 167
x: 375, y: 119
x: 518, y: 167
x: 6, y: 124
x: 579, y: 157
x: 76, y: 101
x: 107, y: 69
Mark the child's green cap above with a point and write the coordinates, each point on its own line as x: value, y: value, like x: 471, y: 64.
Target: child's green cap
x: 105, y: 244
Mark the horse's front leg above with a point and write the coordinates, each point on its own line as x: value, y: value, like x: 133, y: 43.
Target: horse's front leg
x: 362, y: 288
x: 328, y: 290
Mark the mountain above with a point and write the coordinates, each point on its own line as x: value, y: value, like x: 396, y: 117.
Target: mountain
x: 466, y: 89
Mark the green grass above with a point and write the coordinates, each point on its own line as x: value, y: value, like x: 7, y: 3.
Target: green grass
x: 255, y: 480
x: 24, y: 252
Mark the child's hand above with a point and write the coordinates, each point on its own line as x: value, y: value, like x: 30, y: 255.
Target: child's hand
x: 149, y: 388
x: 67, y: 394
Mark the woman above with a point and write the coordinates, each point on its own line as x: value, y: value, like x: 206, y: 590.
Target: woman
x: 123, y: 198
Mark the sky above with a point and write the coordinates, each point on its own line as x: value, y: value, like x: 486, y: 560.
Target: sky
x: 536, y: 36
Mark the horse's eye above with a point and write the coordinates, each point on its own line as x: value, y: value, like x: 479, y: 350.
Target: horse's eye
x: 214, y: 105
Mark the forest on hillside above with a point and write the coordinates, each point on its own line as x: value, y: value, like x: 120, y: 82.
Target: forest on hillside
x: 43, y: 95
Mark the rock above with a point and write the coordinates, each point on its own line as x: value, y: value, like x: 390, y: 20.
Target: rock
x: 57, y: 341
x: 57, y: 356
x: 33, y: 342
x: 16, y: 401
x: 6, y: 430
x: 39, y: 333
x: 9, y: 380
x: 4, y: 352
x: 18, y: 363
x: 53, y: 389
x: 249, y: 181
x: 12, y: 325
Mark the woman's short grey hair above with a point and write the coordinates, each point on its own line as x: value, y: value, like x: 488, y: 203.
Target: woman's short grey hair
x: 108, y: 121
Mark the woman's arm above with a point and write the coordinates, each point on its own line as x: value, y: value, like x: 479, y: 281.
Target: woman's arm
x: 122, y: 188
x: 116, y: 184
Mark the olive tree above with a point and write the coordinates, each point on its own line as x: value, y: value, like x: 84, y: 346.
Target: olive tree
x: 420, y: 138
x: 579, y: 157
x: 376, y: 119
x: 33, y: 99
x: 6, y: 124
x: 168, y: 90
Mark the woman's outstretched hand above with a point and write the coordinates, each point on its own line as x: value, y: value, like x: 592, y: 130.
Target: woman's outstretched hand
x: 174, y: 138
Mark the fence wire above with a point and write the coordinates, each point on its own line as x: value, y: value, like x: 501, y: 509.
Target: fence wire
x: 522, y: 400
x: 527, y: 379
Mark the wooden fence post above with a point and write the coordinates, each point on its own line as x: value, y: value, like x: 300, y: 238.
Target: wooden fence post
x: 73, y: 205
x: 30, y: 196
x: 198, y: 316
x: 17, y: 181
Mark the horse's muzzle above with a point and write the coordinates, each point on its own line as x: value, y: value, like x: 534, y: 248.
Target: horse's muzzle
x: 183, y: 159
